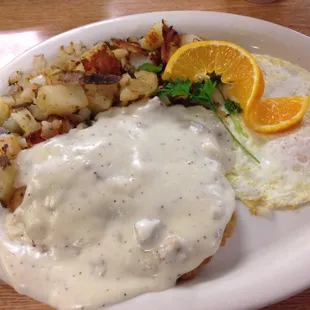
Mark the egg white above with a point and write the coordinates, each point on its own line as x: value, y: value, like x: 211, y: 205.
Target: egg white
x: 282, y: 179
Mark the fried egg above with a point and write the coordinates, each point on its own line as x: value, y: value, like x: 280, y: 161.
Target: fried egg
x: 282, y: 178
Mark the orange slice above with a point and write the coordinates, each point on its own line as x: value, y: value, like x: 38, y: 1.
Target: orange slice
x: 277, y: 114
x: 239, y: 71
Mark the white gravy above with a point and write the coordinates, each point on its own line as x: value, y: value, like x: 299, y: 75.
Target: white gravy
x: 121, y: 208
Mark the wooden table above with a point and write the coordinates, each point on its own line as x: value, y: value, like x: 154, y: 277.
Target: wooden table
x: 24, y: 23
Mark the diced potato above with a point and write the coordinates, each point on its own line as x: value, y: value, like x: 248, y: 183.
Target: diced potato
x: 137, y: 60
x: 85, y: 113
x: 149, y: 78
x: 74, y: 47
x: 68, y: 57
x: 153, y: 38
x: 9, y: 145
x: 13, y: 89
x: 15, y: 77
x: 7, y: 176
x: 39, y: 62
x: 125, y: 80
x: 8, y: 100
x: 25, y: 120
x: 37, y: 113
x: 121, y: 55
x: 61, y: 99
x: 80, y: 67
x: 4, y: 112
x: 11, y: 125
x: 23, y: 143
x: 187, y: 38
x: 54, y: 127
x: 127, y: 95
x: 75, y: 119
x: 38, y: 80
x: 100, y: 97
x: 24, y: 82
x: 142, y: 86
x: 27, y: 95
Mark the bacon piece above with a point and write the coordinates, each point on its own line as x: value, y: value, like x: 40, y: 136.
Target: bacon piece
x: 82, y: 78
x: 132, y: 47
x: 4, y: 161
x: 22, y: 105
x: 171, y: 42
x: 155, y: 57
x: 53, y: 126
x: 102, y: 60
x: 34, y: 137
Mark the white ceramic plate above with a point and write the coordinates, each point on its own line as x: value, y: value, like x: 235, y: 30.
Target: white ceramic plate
x: 267, y: 259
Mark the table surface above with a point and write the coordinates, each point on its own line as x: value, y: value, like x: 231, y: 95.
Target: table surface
x: 24, y: 23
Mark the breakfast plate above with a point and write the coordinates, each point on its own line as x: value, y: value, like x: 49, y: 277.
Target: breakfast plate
x: 267, y: 257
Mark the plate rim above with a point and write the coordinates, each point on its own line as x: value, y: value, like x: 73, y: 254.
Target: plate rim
x: 138, y: 15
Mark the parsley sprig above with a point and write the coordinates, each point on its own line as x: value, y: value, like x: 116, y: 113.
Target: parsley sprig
x: 201, y: 92
x: 151, y: 67
x: 173, y: 88
x: 234, y: 109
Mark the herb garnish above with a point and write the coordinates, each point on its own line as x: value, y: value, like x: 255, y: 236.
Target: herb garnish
x: 173, y: 88
x: 151, y: 68
x: 201, y: 92
x: 234, y: 109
